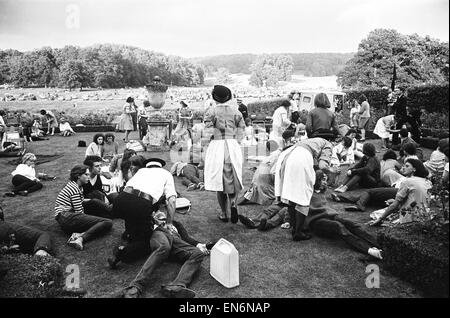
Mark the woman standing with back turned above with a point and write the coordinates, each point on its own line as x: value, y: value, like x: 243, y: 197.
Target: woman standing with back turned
x: 223, y: 160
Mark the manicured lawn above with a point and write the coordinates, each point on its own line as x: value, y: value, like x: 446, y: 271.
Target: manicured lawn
x: 271, y: 264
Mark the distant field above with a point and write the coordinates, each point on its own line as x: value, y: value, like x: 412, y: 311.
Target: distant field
x: 113, y: 99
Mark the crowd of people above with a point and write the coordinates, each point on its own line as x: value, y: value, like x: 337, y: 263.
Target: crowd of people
x: 290, y: 184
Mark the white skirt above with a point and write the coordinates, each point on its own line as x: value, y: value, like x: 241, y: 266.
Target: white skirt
x: 214, y: 162
x: 295, y: 176
x: 380, y: 129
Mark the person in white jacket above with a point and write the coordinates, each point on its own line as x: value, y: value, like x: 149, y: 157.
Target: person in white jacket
x: 24, y: 177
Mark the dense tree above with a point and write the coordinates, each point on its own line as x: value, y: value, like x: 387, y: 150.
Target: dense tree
x: 105, y: 65
x: 268, y: 70
x: 418, y: 60
x: 223, y: 76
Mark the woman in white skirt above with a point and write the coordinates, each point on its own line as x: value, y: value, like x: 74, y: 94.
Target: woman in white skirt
x: 295, y: 177
x: 126, y: 120
x: 383, y: 128
x: 223, y: 160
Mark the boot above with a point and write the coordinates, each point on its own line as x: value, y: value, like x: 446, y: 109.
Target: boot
x: 298, y: 233
x: 292, y: 219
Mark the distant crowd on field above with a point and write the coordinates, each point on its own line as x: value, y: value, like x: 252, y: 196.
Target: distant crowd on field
x: 305, y: 166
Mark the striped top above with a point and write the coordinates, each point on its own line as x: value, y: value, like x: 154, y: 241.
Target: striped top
x: 70, y: 199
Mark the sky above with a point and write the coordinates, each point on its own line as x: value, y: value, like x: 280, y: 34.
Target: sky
x: 195, y: 28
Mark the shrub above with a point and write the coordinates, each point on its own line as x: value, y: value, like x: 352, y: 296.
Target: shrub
x: 418, y: 253
x: 31, y: 276
x: 265, y: 107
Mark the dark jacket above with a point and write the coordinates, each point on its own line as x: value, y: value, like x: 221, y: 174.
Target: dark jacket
x: 367, y: 166
x: 321, y: 120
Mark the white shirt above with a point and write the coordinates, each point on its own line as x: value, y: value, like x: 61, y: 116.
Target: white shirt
x: 65, y: 126
x: 280, y: 120
x: 26, y: 171
x: 154, y: 181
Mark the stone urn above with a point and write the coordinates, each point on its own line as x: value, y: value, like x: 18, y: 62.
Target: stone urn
x: 156, y: 92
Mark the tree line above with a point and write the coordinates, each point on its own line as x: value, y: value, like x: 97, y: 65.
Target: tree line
x: 308, y: 64
x: 105, y: 65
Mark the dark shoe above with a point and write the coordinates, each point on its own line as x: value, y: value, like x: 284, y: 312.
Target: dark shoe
x: 131, y: 292
x: 264, y: 226
x: 234, y: 215
x: 247, y: 222
x: 223, y: 218
x: 23, y: 193
x: 352, y: 208
x: 176, y: 291
x: 301, y: 237
x: 10, y: 194
x: 210, y: 245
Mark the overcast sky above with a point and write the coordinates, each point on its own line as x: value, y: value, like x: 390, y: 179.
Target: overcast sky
x: 210, y: 27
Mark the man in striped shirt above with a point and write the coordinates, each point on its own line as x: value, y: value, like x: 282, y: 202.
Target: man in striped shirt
x: 69, y: 211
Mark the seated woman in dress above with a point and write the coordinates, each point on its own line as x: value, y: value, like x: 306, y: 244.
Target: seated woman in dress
x: 366, y: 172
x: 356, y: 146
x: 65, y: 128
x: 95, y: 148
x: 413, y: 190
x: 110, y: 147
x: 389, y: 169
x: 24, y: 177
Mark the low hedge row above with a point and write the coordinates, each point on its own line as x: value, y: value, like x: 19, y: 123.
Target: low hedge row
x: 31, y: 277
x: 419, y: 254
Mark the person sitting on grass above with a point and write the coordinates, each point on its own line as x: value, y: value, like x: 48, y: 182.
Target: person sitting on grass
x: 25, y: 179
x: 70, y: 215
x: 190, y: 175
x: 409, y: 151
x: 366, y: 172
x: 343, y: 153
x: 24, y: 239
x: 110, y: 147
x: 52, y: 122
x: 405, y: 139
x: 389, y: 169
x: 95, y: 148
x: 435, y: 165
x: 100, y: 204
x: 65, y: 128
x: 413, y: 189
x: 353, y: 134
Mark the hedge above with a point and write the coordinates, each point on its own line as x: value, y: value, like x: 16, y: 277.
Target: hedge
x: 418, y: 253
x: 31, y: 276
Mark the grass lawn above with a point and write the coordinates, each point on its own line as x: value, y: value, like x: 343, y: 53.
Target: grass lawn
x: 271, y: 264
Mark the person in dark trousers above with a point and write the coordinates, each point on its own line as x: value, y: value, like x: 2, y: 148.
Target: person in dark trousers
x: 24, y: 239
x: 100, y: 204
x: 190, y: 174
x: 132, y: 252
x: 405, y: 139
x: 242, y: 108
x: 69, y: 211
x: 135, y: 205
x: 25, y: 178
x: 366, y: 172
